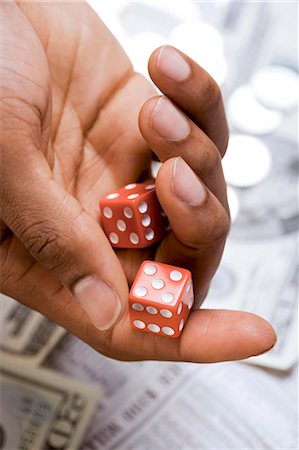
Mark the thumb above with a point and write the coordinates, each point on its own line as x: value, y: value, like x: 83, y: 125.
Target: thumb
x: 63, y: 238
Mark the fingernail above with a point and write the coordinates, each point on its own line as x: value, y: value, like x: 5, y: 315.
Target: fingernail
x: 186, y: 185
x: 168, y: 122
x: 172, y: 64
x: 98, y: 300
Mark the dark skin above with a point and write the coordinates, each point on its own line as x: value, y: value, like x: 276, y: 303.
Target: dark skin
x: 70, y: 104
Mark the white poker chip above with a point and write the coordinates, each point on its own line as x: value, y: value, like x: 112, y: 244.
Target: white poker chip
x: 198, y: 37
x: 247, y: 161
x: 276, y: 87
x: 250, y: 116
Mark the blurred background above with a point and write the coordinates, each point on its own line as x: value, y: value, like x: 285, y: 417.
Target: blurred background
x: 251, y: 49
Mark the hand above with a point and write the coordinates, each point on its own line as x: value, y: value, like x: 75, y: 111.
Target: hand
x: 69, y: 104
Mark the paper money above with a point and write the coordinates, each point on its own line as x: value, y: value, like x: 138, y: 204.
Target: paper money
x: 41, y: 409
x: 261, y: 276
x: 26, y: 333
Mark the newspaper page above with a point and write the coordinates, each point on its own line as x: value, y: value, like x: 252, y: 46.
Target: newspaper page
x: 264, y: 281
x: 152, y: 405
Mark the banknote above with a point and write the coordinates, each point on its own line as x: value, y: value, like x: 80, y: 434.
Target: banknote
x: 263, y: 281
x: 26, y: 333
x: 41, y: 409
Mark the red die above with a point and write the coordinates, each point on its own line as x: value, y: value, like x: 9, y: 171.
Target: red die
x: 161, y: 299
x: 132, y: 216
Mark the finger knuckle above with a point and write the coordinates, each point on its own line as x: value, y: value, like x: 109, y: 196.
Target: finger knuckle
x: 46, y: 245
x: 220, y: 226
x: 213, y: 232
x: 210, y: 161
x: 211, y: 93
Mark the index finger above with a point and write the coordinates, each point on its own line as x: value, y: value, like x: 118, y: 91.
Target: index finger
x: 193, y: 89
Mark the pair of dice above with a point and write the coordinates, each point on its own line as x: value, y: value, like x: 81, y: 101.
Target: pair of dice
x: 161, y: 297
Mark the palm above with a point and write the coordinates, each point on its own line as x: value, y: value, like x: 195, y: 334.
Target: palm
x: 95, y: 141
